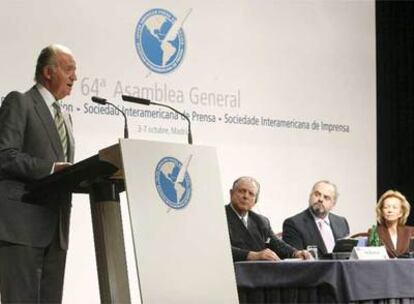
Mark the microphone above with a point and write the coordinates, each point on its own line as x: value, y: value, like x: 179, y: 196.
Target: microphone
x: 148, y: 102
x: 103, y: 101
x: 139, y: 100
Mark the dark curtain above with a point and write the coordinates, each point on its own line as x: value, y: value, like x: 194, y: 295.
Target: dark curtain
x: 395, y: 102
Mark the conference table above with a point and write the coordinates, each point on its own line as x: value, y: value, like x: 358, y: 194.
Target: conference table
x: 326, y: 281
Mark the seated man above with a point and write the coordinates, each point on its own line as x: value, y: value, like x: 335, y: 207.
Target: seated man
x: 317, y: 225
x: 251, y: 236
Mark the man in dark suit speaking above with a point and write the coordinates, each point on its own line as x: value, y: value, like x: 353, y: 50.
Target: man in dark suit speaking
x: 317, y: 225
x: 251, y: 236
x: 35, y: 141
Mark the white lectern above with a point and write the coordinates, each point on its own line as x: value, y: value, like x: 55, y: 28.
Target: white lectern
x: 180, y: 233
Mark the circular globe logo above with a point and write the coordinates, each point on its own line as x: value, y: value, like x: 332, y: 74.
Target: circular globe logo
x: 159, y: 40
x: 173, y: 182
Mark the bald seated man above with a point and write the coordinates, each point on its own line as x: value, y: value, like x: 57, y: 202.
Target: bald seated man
x: 317, y: 225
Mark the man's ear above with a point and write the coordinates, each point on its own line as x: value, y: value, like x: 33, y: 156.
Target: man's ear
x: 47, y: 72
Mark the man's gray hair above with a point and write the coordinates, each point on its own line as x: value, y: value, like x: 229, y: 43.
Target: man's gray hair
x: 247, y: 179
x: 328, y: 183
x: 47, y: 57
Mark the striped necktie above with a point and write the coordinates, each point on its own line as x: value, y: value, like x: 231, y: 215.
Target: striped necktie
x: 60, y: 125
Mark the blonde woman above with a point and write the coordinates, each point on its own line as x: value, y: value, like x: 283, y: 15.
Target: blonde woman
x: 392, y: 213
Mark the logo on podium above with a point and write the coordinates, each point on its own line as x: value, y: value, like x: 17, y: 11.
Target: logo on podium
x: 173, y: 182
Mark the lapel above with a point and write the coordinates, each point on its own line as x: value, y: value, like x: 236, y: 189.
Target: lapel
x: 403, y: 240
x: 333, y: 226
x: 254, y: 231
x: 313, y: 232
x: 386, y: 240
x: 238, y: 232
x: 48, y: 123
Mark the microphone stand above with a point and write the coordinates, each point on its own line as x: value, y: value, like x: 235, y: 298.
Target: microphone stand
x: 103, y: 101
x: 189, y: 135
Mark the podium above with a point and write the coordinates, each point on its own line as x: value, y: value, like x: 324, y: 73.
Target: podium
x: 178, y: 223
x: 101, y: 177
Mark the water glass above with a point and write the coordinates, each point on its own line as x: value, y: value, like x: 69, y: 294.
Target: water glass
x: 313, y: 250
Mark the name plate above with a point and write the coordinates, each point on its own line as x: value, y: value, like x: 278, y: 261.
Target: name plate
x: 369, y: 253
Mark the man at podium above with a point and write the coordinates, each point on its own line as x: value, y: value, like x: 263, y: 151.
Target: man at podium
x: 35, y: 141
x: 251, y: 235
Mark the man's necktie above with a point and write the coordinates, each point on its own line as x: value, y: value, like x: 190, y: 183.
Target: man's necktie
x: 60, y: 125
x: 327, y: 235
x: 244, y: 220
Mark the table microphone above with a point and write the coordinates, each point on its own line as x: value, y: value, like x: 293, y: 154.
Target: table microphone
x: 103, y: 101
x: 148, y: 102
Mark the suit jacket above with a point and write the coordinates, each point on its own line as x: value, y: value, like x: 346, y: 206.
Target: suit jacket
x: 256, y: 237
x: 29, y: 145
x: 404, y: 233
x: 301, y: 230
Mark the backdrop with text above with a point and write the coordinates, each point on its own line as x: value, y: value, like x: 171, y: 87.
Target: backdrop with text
x: 285, y: 90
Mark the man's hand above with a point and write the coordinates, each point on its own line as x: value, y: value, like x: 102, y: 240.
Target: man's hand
x: 60, y: 166
x: 302, y: 254
x: 265, y: 254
